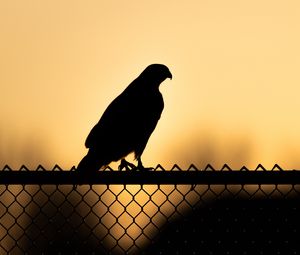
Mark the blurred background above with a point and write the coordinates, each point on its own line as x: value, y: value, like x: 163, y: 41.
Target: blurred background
x: 234, y: 97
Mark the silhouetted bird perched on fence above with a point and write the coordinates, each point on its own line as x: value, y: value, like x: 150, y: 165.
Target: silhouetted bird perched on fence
x: 127, y: 123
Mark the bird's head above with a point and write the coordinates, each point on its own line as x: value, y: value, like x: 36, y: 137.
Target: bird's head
x: 156, y: 73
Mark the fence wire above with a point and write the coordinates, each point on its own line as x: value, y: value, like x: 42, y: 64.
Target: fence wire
x: 176, y: 212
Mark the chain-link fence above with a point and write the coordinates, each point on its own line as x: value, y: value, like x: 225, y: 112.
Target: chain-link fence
x: 156, y: 212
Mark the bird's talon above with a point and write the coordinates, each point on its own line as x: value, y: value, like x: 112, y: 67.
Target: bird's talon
x: 127, y: 165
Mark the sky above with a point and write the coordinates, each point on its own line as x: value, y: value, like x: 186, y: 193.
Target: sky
x: 233, y: 98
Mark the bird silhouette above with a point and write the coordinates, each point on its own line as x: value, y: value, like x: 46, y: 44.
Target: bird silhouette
x: 127, y: 123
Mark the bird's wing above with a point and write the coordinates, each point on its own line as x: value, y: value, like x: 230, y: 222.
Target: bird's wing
x: 109, y: 127
x: 127, y: 123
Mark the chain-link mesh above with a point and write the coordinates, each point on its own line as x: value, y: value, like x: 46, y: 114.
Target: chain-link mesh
x: 163, y: 217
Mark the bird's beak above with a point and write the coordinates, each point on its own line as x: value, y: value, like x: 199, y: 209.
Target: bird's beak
x: 170, y: 75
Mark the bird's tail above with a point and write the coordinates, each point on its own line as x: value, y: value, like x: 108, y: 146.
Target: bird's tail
x: 89, y: 164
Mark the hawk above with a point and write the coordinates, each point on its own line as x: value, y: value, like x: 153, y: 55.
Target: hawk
x: 127, y: 123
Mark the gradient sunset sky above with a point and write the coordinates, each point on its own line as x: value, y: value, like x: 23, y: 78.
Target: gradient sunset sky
x: 234, y: 97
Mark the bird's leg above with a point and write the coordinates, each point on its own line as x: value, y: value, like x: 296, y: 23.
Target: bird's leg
x: 141, y: 167
x: 127, y: 165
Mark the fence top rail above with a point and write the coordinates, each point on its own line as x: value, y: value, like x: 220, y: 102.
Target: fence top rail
x: 159, y: 167
x: 151, y: 177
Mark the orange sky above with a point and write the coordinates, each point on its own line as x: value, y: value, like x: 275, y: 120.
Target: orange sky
x: 233, y: 98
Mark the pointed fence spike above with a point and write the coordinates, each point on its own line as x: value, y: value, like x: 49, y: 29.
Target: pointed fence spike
x: 159, y: 167
x: 192, y: 167
x: 23, y: 168
x: 57, y: 168
x: 260, y: 167
x: 6, y: 168
x: 209, y: 167
x: 244, y: 168
x: 226, y: 168
x: 107, y: 169
x: 176, y: 168
x: 276, y: 167
x: 40, y: 168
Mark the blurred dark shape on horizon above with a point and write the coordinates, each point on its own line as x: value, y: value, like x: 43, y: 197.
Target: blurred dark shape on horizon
x: 31, y: 150
x: 209, y: 147
x: 127, y: 123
